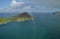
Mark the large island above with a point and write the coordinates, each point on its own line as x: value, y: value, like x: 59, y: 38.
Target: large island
x: 17, y: 18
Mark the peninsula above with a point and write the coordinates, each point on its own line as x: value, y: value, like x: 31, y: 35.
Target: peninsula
x: 17, y: 18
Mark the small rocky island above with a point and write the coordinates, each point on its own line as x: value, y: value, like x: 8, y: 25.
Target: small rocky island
x: 17, y: 18
x: 56, y: 13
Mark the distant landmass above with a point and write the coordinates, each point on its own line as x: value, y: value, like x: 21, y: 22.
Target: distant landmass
x: 17, y: 18
x: 56, y: 13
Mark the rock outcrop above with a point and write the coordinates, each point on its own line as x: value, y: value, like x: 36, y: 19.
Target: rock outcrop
x: 23, y: 15
x: 56, y: 13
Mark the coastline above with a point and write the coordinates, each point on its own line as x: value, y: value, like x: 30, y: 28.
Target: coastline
x: 18, y: 20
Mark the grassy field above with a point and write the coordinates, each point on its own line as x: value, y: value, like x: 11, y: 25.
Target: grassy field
x: 4, y: 20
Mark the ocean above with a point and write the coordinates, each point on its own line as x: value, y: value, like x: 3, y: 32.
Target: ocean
x: 44, y: 26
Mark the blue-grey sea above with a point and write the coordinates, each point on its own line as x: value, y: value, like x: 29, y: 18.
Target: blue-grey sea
x: 44, y: 26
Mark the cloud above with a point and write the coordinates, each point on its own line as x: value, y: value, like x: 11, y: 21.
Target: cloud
x: 16, y: 7
x: 45, y: 5
x: 34, y: 6
x: 48, y: 3
x: 15, y: 4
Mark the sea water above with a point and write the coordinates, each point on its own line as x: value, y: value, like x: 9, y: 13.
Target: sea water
x: 45, y: 26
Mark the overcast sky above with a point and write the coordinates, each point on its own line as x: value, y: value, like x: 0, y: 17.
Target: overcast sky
x: 29, y: 5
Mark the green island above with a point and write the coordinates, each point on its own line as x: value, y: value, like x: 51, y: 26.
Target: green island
x: 17, y: 18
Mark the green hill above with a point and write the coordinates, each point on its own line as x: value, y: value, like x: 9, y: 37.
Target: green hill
x: 20, y: 17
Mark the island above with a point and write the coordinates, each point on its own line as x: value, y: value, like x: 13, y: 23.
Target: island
x: 56, y: 13
x: 17, y: 18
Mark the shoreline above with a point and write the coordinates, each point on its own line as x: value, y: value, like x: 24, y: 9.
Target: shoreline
x: 16, y: 21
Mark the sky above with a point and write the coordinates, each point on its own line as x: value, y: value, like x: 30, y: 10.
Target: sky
x: 7, y: 6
